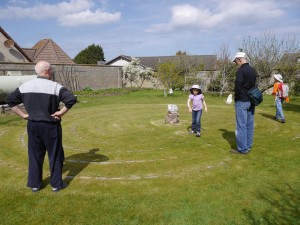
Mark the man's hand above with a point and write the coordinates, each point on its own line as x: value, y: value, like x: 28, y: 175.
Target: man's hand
x: 25, y: 116
x: 57, y: 115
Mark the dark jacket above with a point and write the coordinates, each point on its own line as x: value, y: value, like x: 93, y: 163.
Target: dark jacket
x: 245, y: 79
x: 41, y: 98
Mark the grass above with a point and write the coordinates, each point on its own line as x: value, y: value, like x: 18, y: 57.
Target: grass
x: 124, y: 165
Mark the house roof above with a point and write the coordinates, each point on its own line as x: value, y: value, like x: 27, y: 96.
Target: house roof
x: 120, y: 57
x: 48, y: 50
x: 209, y: 61
x: 293, y: 57
x: 15, y: 44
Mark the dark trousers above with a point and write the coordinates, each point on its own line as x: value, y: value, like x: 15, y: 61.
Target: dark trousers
x: 44, y: 137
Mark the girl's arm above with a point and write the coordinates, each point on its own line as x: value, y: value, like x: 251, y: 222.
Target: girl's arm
x: 205, y: 106
x: 188, y: 105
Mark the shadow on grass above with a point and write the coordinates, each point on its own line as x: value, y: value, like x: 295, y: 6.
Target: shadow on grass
x: 189, y: 128
x: 76, y: 163
x: 268, y: 116
x: 283, y: 207
x: 291, y: 107
x: 229, y: 136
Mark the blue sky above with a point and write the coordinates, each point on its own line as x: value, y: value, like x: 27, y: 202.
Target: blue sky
x: 148, y: 28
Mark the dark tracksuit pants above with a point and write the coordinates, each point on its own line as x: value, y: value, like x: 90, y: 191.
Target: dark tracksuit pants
x: 42, y: 137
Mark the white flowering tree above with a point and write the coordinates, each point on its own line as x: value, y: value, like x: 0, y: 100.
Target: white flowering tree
x: 135, y: 73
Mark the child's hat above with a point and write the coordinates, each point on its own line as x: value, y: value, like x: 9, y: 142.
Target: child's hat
x: 278, y: 77
x: 196, y: 86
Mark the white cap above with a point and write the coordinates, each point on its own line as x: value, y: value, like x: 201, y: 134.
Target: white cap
x: 239, y: 55
x: 278, y: 77
x: 196, y: 86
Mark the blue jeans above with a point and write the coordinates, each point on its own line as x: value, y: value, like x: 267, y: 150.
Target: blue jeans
x: 196, y: 123
x: 244, y: 115
x: 279, y: 111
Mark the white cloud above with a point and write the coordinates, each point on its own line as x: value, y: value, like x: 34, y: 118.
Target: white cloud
x: 88, y: 18
x: 67, y: 13
x: 220, y: 15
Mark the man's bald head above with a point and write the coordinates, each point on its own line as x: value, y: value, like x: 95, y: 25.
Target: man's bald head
x: 43, y: 68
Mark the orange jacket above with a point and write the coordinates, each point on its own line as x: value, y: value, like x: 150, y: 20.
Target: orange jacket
x: 276, y: 91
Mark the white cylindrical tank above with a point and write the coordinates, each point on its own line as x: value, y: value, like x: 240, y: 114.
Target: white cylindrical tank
x: 9, y: 83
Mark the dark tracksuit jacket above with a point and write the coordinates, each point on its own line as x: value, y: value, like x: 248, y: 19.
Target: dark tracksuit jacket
x: 41, y: 98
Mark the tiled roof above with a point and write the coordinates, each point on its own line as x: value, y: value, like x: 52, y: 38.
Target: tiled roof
x: 49, y: 51
x: 30, y: 52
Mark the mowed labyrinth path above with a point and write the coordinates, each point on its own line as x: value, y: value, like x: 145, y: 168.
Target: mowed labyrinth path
x: 131, y: 141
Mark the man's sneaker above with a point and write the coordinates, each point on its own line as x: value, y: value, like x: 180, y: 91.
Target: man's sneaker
x: 235, y: 151
x: 192, y: 132
x: 63, y: 186
x: 282, y: 121
x: 35, y: 189
x: 198, y: 134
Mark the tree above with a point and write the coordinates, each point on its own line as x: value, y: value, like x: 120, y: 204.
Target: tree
x: 134, y: 72
x: 91, y: 55
x: 227, y: 71
x: 178, y: 72
x: 289, y: 67
x: 266, y: 54
x: 181, y: 53
x: 168, y: 75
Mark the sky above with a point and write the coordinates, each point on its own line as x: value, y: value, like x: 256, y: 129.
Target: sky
x: 148, y: 27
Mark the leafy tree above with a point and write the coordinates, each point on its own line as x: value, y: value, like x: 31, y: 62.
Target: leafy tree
x: 91, y: 55
x: 168, y: 75
x: 179, y: 72
x: 289, y: 67
x: 134, y: 72
x: 266, y: 54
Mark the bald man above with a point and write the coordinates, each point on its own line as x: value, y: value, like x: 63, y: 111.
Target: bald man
x: 41, y: 97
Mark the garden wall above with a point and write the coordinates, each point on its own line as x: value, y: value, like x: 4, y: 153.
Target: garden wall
x: 73, y: 76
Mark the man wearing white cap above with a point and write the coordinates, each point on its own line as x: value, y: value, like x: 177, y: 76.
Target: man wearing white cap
x: 244, y: 110
x: 277, y: 91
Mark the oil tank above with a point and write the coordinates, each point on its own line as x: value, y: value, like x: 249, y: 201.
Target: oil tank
x: 9, y: 83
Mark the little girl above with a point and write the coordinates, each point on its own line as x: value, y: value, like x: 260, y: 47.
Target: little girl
x: 198, y: 102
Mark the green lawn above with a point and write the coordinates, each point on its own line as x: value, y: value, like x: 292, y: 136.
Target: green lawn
x: 124, y: 165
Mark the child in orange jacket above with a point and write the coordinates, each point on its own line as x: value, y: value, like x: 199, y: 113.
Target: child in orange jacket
x: 277, y: 92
